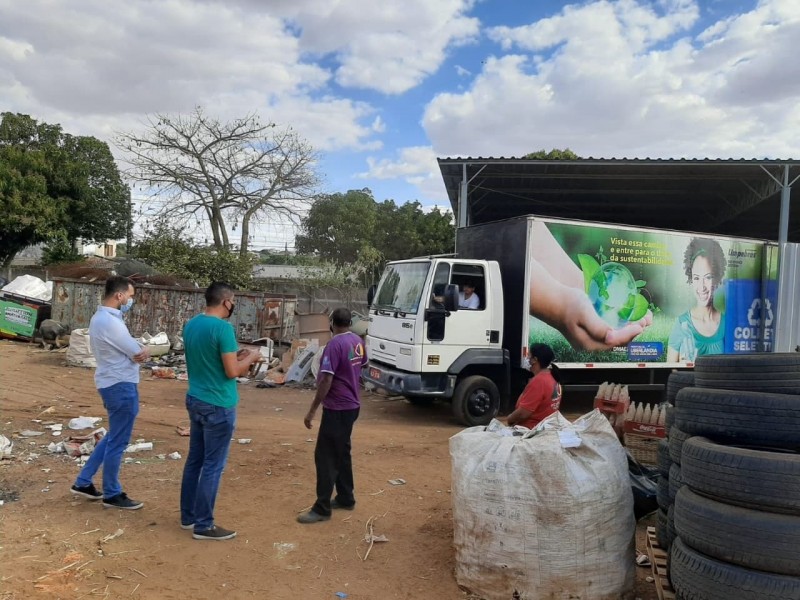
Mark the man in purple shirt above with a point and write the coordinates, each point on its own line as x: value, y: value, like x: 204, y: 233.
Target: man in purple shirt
x: 337, y: 391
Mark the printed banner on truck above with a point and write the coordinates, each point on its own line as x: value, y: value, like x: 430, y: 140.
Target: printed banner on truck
x: 601, y: 294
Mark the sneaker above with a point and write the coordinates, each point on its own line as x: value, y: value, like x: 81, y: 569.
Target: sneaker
x: 312, y: 517
x: 335, y: 505
x: 87, y: 491
x: 215, y: 533
x: 189, y: 526
x: 122, y: 501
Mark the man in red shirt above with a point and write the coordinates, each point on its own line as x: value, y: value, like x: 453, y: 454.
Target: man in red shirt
x: 542, y: 396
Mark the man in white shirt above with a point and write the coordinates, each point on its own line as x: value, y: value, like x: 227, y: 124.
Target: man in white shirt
x: 468, y: 299
x: 116, y: 377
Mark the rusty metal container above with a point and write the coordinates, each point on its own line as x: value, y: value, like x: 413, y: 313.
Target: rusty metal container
x: 164, y: 308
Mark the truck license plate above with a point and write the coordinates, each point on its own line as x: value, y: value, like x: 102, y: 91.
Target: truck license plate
x: 375, y: 373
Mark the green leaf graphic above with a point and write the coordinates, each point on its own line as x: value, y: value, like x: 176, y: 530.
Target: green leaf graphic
x: 591, y: 269
x: 640, y: 308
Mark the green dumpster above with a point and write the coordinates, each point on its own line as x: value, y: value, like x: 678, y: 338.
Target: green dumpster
x: 20, y: 316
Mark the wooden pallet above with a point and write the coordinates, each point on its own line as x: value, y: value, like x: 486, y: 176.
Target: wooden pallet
x: 658, y: 562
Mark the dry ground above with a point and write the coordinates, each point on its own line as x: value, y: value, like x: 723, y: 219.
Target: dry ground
x: 50, y: 542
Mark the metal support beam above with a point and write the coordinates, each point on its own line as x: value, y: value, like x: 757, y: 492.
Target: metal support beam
x: 786, y: 191
x: 462, y: 198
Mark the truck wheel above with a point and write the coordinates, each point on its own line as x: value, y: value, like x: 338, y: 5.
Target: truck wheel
x: 476, y: 401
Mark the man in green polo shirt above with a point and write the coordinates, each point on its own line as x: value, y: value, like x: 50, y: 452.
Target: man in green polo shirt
x: 214, y: 363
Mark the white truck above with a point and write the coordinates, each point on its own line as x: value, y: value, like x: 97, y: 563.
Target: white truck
x: 616, y: 303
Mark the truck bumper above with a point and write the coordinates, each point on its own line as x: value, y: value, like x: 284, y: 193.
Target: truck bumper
x: 393, y: 382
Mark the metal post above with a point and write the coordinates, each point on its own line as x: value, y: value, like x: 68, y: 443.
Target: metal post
x: 783, y: 231
x: 462, y: 198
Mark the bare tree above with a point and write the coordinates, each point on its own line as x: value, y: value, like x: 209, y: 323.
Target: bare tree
x: 232, y: 174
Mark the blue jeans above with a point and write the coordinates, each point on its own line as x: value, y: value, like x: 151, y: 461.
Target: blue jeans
x: 121, y: 401
x: 209, y: 441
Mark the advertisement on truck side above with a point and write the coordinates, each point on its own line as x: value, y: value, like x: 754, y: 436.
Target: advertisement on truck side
x: 604, y: 294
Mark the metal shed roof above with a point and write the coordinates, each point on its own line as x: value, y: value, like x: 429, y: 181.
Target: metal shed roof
x: 737, y: 197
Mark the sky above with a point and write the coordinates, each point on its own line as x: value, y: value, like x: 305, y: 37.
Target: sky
x: 381, y: 89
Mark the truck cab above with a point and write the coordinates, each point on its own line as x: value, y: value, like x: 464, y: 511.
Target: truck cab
x: 422, y: 345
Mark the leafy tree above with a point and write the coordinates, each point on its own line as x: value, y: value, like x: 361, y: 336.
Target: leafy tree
x: 554, y: 154
x: 351, y: 228
x: 56, y: 187
x: 168, y: 250
x: 227, y: 174
x: 338, y: 227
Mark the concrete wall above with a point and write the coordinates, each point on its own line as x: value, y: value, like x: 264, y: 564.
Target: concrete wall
x: 320, y: 299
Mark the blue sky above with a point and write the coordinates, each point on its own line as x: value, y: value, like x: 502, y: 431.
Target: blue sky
x: 382, y: 88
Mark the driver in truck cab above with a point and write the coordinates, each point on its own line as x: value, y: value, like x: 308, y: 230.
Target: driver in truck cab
x: 467, y: 298
x: 542, y: 396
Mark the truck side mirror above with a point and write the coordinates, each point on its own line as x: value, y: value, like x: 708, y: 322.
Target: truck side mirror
x: 371, y: 294
x: 451, y: 298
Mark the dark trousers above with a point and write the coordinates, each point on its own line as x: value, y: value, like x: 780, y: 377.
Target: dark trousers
x: 333, y: 461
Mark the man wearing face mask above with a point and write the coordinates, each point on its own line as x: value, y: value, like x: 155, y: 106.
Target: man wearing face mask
x: 214, y: 363
x: 117, y: 375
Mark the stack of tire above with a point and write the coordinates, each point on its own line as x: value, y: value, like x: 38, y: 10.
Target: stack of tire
x: 735, y: 481
x: 668, y: 467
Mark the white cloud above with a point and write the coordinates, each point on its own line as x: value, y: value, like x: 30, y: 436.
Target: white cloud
x: 417, y: 166
x: 387, y: 46
x: 621, y: 79
x: 98, y: 66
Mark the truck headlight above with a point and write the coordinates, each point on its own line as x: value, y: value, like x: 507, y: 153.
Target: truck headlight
x: 405, y: 351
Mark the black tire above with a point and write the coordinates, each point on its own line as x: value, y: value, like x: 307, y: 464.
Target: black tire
x: 675, y: 481
x: 664, y: 460
x: 676, y: 382
x: 774, y: 373
x: 662, y: 493
x: 665, y: 530
x: 741, y: 418
x: 676, y: 439
x: 698, y: 577
x: 669, y: 417
x: 759, y: 479
x: 741, y: 536
x: 476, y: 401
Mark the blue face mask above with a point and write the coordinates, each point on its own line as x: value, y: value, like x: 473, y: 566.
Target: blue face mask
x: 127, y: 306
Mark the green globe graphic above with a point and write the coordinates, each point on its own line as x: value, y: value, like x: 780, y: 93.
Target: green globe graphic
x: 614, y: 301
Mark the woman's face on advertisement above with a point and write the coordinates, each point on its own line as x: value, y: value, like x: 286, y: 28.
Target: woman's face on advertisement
x: 703, y: 281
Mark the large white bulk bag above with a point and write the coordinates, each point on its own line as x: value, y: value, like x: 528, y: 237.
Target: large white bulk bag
x: 535, y: 519
x: 79, y: 353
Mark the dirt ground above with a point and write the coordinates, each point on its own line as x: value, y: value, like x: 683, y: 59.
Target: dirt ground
x: 50, y: 542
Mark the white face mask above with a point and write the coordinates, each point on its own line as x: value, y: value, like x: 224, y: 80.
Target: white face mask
x: 127, y: 306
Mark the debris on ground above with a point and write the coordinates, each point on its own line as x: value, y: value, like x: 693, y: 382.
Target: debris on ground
x: 6, y: 446
x: 397, y: 481
x: 83, y: 422
x: 29, y: 433
x: 175, y: 456
x: 139, y: 447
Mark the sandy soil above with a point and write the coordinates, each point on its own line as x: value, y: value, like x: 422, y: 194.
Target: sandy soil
x: 50, y: 542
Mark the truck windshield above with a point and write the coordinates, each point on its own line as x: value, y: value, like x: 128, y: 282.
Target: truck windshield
x: 401, y: 287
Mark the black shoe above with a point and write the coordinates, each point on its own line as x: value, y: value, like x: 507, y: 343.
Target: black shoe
x: 335, y: 505
x: 87, y: 491
x: 122, y: 501
x: 215, y: 533
x: 312, y: 517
